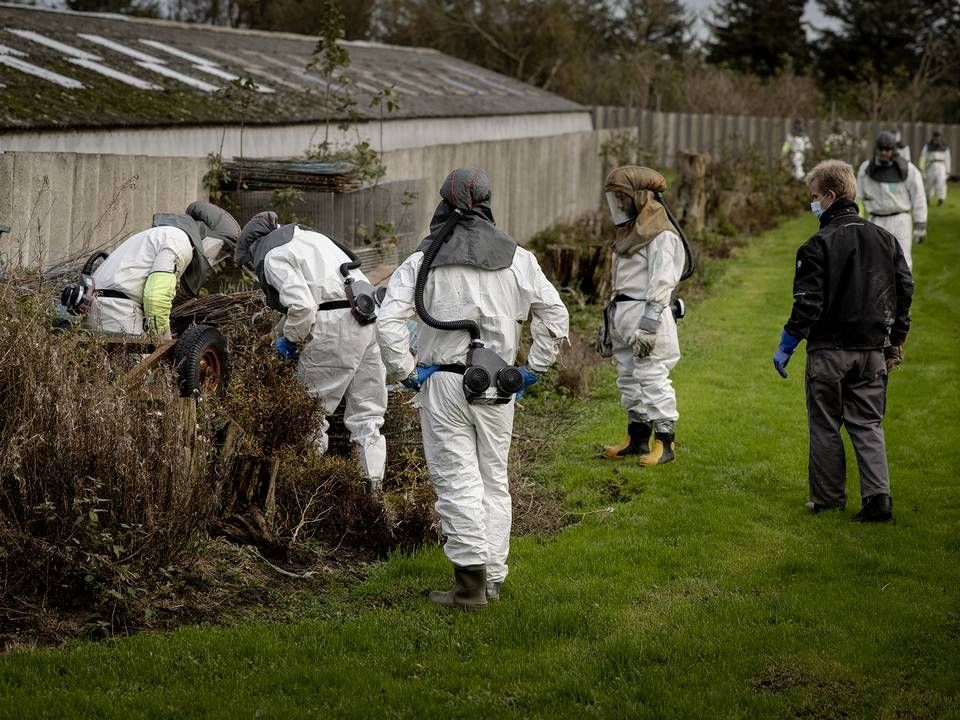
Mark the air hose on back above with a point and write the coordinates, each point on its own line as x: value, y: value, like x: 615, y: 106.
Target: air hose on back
x: 484, y: 368
x: 691, y: 262
x: 677, y: 306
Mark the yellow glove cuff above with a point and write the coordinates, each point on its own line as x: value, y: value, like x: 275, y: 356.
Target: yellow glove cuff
x: 158, y: 301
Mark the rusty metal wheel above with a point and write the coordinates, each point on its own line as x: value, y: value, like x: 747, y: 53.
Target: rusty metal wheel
x: 201, y: 361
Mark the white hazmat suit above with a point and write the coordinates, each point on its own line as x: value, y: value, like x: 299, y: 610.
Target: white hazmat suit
x: 126, y: 269
x: 894, y: 206
x: 650, y: 275
x: 936, y: 163
x: 147, y: 267
x: 466, y: 446
x: 339, y: 358
x: 796, y: 147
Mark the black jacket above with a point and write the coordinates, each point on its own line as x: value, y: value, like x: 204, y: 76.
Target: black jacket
x: 852, y: 288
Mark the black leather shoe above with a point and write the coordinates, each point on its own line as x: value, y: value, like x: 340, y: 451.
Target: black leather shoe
x: 816, y: 508
x: 876, y: 508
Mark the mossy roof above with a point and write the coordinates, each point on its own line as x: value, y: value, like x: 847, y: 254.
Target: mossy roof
x: 67, y: 70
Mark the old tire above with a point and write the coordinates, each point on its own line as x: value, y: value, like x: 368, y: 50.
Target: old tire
x: 201, y: 362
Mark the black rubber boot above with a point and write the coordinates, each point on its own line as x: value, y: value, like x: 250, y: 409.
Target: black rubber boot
x: 876, y: 508
x: 662, y: 451
x: 637, y: 442
x: 469, y: 590
x: 493, y: 590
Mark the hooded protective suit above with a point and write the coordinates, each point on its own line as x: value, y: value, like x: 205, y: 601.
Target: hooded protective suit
x: 893, y: 195
x: 481, y: 275
x: 299, y: 272
x: 935, y: 161
x: 136, y: 283
x: 645, y: 274
x: 795, y: 148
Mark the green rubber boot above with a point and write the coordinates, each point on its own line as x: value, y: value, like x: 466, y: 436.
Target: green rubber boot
x: 469, y: 590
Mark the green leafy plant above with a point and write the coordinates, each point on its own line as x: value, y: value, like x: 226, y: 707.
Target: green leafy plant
x: 283, y: 200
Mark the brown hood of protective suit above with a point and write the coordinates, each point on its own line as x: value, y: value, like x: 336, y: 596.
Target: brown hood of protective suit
x: 640, y: 183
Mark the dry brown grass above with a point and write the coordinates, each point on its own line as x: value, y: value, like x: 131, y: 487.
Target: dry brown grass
x: 104, y: 516
x: 96, y: 490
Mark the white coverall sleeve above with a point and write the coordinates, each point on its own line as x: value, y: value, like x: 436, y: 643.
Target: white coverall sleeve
x: 295, y: 295
x: 398, y: 306
x: 665, y: 265
x: 550, y: 324
x: 174, y: 252
x: 949, y: 164
x: 918, y: 195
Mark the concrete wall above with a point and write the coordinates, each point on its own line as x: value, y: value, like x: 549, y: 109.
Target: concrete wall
x: 294, y: 140
x: 536, y: 182
x: 63, y: 204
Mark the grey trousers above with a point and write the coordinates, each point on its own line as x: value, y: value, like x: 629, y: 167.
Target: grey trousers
x: 846, y: 388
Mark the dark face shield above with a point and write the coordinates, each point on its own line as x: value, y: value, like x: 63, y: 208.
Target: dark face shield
x: 623, y: 210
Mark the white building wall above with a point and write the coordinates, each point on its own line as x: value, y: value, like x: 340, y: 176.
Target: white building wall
x: 294, y: 140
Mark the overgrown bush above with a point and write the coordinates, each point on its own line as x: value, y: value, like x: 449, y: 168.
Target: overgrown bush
x: 97, y: 491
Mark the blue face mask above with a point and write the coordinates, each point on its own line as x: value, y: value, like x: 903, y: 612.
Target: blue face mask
x: 816, y: 209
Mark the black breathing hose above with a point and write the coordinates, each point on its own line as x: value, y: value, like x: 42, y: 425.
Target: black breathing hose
x: 354, y: 263
x: 91, y: 261
x: 428, y: 257
x: 690, y: 266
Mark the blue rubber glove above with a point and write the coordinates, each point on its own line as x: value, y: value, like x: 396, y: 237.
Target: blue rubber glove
x: 529, y: 378
x: 788, y: 343
x: 286, y: 349
x: 420, y: 373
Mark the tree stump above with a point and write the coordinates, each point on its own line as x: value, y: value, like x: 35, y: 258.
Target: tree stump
x: 692, y: 190
x: 246, y: 487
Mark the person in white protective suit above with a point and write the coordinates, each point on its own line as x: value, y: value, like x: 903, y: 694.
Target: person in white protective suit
x: 935, y: 161
x: 795, y: 149
x: 136, y: 283
x: 311, y: 278
x: 474, y: 273
x: 891, y: 189
x: 648, y: 262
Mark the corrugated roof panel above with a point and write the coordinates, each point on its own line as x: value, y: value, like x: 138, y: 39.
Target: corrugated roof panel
x: 190, y: 62
x: 53, y: 44
x: 48, y: 75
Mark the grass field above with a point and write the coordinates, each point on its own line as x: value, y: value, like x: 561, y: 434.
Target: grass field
x: 701, y: 589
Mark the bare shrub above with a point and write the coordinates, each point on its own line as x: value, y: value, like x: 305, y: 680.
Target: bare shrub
x: 98, y: 490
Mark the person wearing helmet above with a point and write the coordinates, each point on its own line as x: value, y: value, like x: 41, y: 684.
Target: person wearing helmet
x: 469, y: 274
x: 136, y: 283
x: 308, y: 277
x: 935, y: 162
x: 891, y: 189
x: 648, y: 261
x: 795, y: 149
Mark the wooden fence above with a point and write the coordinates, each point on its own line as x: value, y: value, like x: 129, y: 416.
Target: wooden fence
x: 662, y: 134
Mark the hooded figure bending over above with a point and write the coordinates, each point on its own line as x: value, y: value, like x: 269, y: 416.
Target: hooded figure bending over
x: 648, y: 260
x: 337, y: 357
x: 137, y: 282
x: 481, y: 276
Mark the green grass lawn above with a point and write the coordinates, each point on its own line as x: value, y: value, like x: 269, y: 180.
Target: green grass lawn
x: 700, y: 589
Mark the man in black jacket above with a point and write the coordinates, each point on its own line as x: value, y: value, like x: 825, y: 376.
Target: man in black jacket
x: 852, y: 292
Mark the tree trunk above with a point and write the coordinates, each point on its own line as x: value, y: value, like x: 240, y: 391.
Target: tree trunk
x: 692, y: 190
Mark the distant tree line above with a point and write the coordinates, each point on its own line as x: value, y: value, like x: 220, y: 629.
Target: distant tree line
x: 895, y: 59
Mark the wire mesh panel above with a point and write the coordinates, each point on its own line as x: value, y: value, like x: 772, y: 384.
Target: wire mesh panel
x: 379, y: 222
